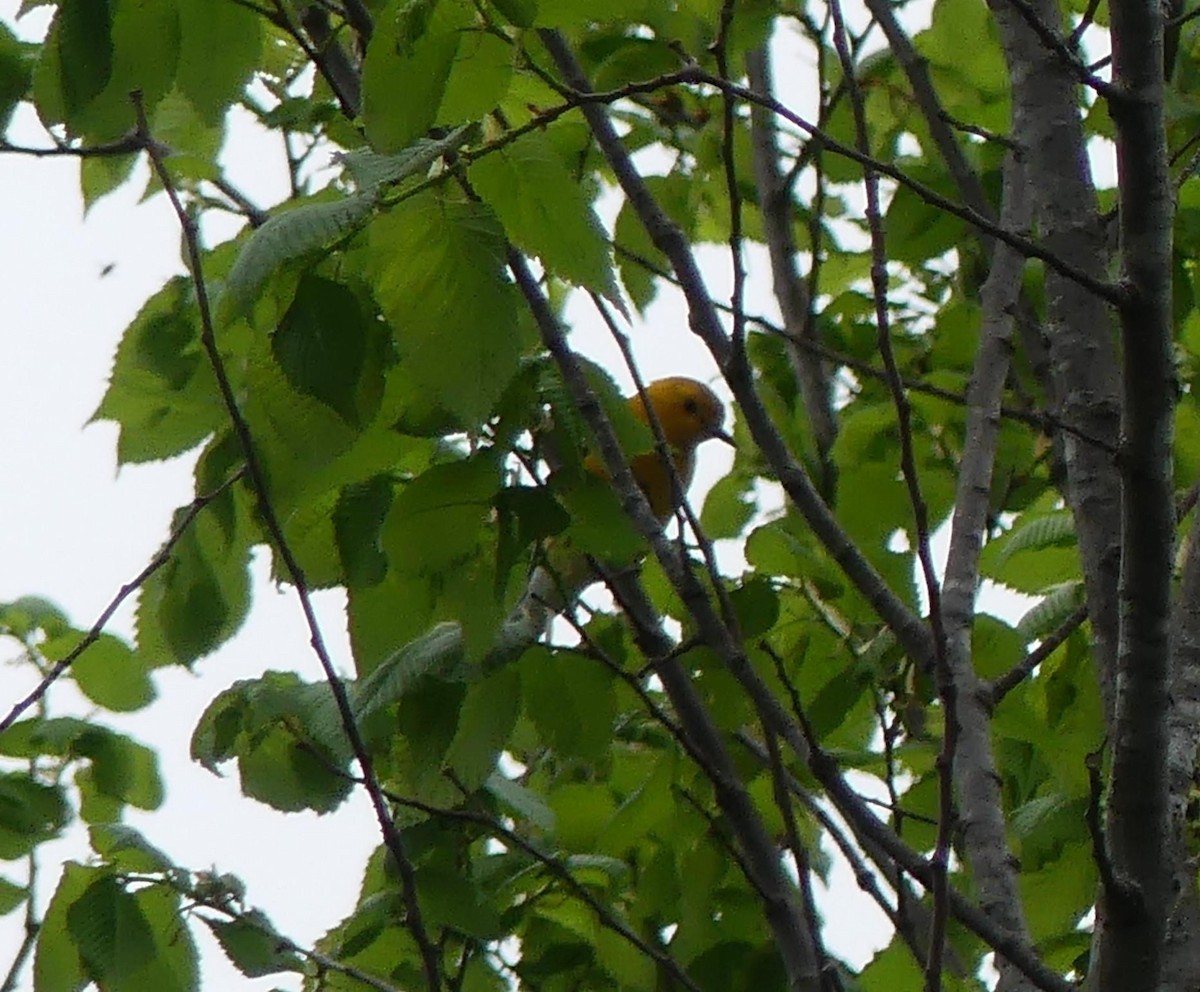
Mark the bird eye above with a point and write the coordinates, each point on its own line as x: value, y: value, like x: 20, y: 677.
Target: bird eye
x: 691, y: 406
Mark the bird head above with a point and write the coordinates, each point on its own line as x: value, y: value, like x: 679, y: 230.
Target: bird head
x: 688, y: 411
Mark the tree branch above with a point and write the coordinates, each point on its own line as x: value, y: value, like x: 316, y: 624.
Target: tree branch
x: 1131, y: 938
x: 1082, y: 362
x: 977, y: 778
x: 791, y: 292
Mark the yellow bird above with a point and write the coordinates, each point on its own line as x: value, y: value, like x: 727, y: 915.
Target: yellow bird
x: 689, y: 413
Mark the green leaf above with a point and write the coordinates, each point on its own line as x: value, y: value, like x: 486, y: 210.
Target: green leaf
x: 480, y: 77
x: 1051, y: 610
x: 546, y: 212
x: 917, y: 230
x: 377, y: 633
x: 113, y: 936
x: 1057, y: 895
x: 370, y: 169
x: 728, y: 507
x: 162, y: 392
x: 413, y: 59
x: 126, y: 849
x: 77, y: 59
x: 358, y: 524
x: 892, y: 968
x: 195, y: 143
x: 58, y: 964
x: 573, y: 14
x: 435, y: 520
x: 637, y: 257
x: 287, y: 737
x: 524, y: 802
x: 30, y: 813
x: 757, y: 606
x: 437, y: 267
x: 649, y: 808
x: 449, y: 69
x: 302, y: 232
x: 423, y: 728
x: 109, y: 672
x: 330, y: 347
x: 220, y: 45
x: 99, y: 175
x: 198, y: 599
x: 96, y: 55
x: 173, y: 964
x: 254, y: 950
x: 23, y: 616
x: 520, y: 13
x: 450, y: 900
x: 525, y: 515
x: 485, y: 724
x: 581, y: 813
x: 1036, y: 555
x: 995, y: 646
x: 16, y: 73
x: 572, y: 703
x: 121, y: 769
x: 632, y: 969
x: 11, y: 896
x: 287, y: 776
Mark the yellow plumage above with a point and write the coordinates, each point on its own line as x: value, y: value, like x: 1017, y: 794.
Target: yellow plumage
x: 689, y: 413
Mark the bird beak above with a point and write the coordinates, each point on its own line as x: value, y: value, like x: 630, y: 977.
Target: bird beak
x: 720, y: 434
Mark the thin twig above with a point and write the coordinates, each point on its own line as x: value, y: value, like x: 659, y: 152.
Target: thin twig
x: 258, y: 481
x: 732, y: 191
x: 32, y: 926
x: 692, y: 75
x: 1120, y: 892
x: 863, y: 874
x: 1109, y: 292
x: 97, y: 628
x: 908, y: 469
x: 1005, y: 684
x: 869, y: 828
x: 254, y: 214
x: 783, y: 915
x: 130, y: 145
x: 1085, y: 22
x: 359, y: 18
x: 254, y: 920
x: 804, y: 871
x: 325, y: 54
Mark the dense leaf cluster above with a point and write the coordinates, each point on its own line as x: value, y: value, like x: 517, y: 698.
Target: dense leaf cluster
x: 369, y: 347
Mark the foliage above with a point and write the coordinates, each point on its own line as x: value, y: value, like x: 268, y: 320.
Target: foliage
x: 365, y: 374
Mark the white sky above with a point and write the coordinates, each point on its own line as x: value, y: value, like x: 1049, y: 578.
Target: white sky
x: 74, y: 529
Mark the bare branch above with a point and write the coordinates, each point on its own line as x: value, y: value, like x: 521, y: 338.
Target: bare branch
x: 1137, y: 821
x: 791, y: 291
x: 976, y: 775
